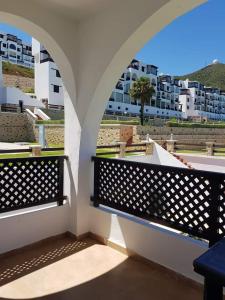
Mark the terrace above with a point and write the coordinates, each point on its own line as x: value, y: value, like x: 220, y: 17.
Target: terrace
x: 45, y: 197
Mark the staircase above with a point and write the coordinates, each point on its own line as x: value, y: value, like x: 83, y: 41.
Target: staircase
x: 182, y: 160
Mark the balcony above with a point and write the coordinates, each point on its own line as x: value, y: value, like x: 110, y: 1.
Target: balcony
x: 178, y: 198
x: 65, y: 268
x: 31, y: 181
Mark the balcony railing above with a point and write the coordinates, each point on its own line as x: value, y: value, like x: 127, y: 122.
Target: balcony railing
x: 190, y: 201
x: 31, y: 181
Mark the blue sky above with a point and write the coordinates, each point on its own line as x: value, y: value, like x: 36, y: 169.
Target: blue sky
x: 190, y: 42
x: 13, y: 30
x: 187, y: 44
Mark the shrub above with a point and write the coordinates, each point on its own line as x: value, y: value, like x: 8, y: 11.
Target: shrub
x: 195, y: 125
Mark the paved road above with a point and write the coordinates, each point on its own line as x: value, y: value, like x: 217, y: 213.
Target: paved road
x: 207, y: 163
x: 206, y: 167
x: 11, y: 146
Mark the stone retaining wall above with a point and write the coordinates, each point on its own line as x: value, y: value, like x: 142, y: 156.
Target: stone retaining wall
x: 15, y: 127
x: 110, y: 134
x: 24, y: 83
x: 187, y: 135
x: 54, y: 134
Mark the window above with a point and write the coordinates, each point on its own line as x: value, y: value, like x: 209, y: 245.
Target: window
x: 134, y: 77
x: 118, y: 97
x: 126, y: 108
x: 57, y: 73
x: 18, y: 49
x: 188, y: 99
x: 118, y: 107
x: 142, y: 69
x: 12, y: 46
x: 110, y: 106
x: 55, y: 88
x: 187, y: 106
x: 4, y: 45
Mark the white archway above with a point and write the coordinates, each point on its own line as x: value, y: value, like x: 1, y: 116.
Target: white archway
x: 91, y: 52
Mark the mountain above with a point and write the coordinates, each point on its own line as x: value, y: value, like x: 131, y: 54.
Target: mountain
x: 213, y: 75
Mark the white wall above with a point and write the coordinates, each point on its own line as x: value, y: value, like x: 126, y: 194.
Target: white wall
x: 155, y: 243
x: 149, y: 110
x: 13, y: 95
x: 54, y: 98
x: 20, y: 228
x: 41, y: 80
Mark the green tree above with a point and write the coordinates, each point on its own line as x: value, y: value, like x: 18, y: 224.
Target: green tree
x: 143, y: 90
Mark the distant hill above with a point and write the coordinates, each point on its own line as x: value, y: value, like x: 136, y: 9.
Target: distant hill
x: 213, y: 75
x: 13, y: 69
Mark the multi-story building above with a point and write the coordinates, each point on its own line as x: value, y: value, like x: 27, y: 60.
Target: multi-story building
x: 48, y: 82
x: 164, y: 102
x: 198, y: 101
x: 173, y: 97
x: 15, y: 50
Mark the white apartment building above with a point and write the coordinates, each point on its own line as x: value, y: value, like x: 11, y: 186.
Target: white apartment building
x: 183, y: 99
x: 48, y: 82
x: 163, y: 104
x: 198, y: 101
x: 15, y: 50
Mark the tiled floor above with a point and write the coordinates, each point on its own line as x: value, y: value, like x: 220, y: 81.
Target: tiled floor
x: 63, y: 268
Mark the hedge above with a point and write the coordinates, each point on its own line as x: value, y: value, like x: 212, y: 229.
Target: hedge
x: 195, y: 125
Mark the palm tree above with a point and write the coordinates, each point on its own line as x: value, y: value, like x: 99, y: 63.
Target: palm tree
x: 143, y: 90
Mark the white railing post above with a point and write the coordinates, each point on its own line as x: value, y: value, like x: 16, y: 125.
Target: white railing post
x: 170, y: 145
x: 36, y: 150
x: 149, y: 148
x: 122, y: 149
x: 209, y: 148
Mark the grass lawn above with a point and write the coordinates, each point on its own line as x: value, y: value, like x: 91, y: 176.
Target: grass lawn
x: 27, y: 154
x: 191, y: 152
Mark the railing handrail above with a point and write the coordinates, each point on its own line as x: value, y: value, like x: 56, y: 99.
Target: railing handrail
x: 5, y: 151
x: 31, y: 181
x: 191, y: 201
x: 163, y: 167
x: 14, y: 159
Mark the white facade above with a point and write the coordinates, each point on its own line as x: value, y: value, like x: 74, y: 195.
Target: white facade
x: 164, y: 103
x: 15, y: 51
x: 198, y: 101
x: 173, y: 97
x: 48, y: 82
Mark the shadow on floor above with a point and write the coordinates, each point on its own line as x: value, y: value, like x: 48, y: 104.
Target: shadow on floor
x: 75, y: 276
x: 26, y: 260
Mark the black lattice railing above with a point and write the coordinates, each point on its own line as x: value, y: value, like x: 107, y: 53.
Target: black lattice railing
x: 32, y: 181
x: 191, y: 201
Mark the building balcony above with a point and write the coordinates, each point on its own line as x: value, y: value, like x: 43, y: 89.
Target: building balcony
x: 158, y: 210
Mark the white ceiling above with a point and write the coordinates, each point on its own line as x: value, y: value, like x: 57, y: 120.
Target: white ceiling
x: 77, y: 9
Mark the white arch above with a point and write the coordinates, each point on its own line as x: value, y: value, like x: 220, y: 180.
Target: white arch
x: 91, y: 54
x: 138, y: 32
